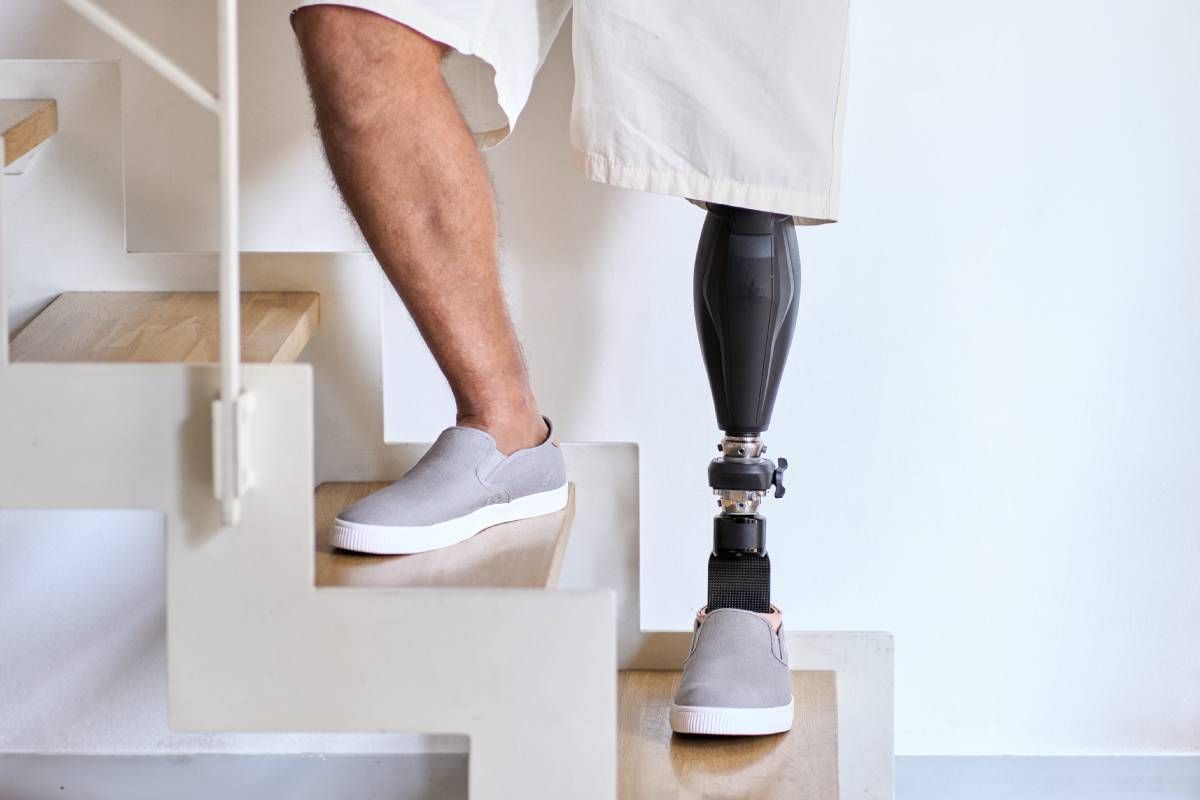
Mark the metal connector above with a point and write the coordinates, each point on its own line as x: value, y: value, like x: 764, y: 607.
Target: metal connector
x: 738, y: 501
x: 741, y: 446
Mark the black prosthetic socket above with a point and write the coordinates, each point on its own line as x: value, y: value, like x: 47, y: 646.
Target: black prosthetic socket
x: 746, y: 287
x: 747, y: 284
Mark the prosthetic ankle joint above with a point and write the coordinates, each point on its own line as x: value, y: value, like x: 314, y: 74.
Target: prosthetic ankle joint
x: 746, y: 289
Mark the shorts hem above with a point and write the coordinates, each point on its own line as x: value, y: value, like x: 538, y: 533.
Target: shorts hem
x: 410, y: 14
x: 436, y: 27
x: 806, y: 208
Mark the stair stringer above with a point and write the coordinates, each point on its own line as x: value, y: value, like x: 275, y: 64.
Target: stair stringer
x: 253, y: 645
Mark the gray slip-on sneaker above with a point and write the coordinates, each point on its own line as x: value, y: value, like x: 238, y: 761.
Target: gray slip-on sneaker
x: 461, y: 486
x: 736, y: 681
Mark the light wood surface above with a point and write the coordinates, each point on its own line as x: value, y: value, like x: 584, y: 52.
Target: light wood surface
x: 25, y: 124
x: 655, y: 763
x: 523, y: 554
x: 168, y: 327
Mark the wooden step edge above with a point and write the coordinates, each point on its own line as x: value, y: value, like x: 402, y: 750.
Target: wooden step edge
x: 24, y: 124
x: 301, y: 332
x: 526, y: 554
x: 165, y: 327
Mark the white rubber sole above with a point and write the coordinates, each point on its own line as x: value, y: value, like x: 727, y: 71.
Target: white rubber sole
x: 716, y: 721
x: 399, y: 540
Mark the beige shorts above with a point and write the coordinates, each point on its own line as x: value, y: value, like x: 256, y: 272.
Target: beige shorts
x: 735, y: 103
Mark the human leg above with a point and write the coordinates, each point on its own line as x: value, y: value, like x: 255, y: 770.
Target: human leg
x: 415, y: 182
x: 411, y: 175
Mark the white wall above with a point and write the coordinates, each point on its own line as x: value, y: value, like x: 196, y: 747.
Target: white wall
x: 989, y: 407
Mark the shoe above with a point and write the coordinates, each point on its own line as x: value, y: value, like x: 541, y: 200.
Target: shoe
x: 461, y: 486
x: 736, y: 681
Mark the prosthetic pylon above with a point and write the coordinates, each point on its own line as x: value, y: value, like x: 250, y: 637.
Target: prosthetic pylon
x: 747, y: 286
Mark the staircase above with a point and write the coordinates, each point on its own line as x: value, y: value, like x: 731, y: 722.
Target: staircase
x: 106, y: 399
x: 106, y: 402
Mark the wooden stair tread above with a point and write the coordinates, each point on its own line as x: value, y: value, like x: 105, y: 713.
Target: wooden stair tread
x: 165, y: 327
x: 655, y: 763
x: 25, y: 124
x: 524, y: 554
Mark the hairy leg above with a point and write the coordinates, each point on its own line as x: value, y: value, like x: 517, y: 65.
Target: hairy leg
x: 413, y: 178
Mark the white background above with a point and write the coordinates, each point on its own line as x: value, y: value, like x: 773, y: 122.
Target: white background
x: 990, y: 410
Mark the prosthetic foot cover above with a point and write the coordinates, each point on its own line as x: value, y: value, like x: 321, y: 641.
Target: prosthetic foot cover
x: 739, y: 581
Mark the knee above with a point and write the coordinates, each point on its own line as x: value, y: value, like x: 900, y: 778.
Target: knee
x: 354, y: 61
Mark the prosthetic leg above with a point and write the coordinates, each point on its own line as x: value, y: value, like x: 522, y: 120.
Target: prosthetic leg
x: 736, y: 681
x: 747, y: 285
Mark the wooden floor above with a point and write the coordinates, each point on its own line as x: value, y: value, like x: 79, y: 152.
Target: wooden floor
x: 165, y: 327
x: 524, y: 554
x: 24, y: 124
x: 655, y: 763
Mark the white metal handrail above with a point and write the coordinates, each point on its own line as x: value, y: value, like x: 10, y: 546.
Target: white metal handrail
x: 141, y: 48
x: 231, y: 469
